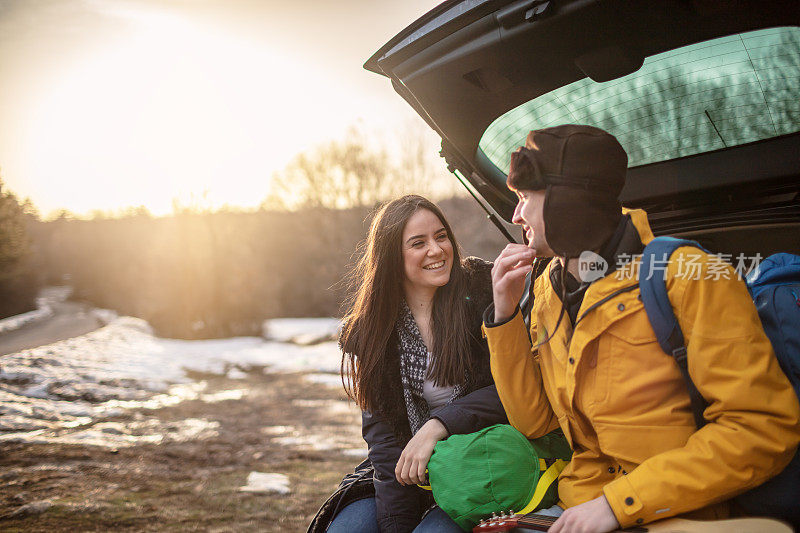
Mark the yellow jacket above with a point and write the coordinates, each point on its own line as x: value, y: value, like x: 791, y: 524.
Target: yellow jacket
x: 623, y: 405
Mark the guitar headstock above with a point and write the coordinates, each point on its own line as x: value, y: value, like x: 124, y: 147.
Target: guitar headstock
x: 505, y: 521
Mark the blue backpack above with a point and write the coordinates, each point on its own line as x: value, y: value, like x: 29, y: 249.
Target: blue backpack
x: 775, y: 288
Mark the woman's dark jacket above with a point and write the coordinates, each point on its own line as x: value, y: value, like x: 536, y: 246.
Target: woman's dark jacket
x: 387, y: 431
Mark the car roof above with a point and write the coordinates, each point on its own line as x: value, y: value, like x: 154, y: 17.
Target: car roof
x: 467, y: 63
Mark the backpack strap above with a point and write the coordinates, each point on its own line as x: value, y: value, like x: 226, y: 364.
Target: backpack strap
x: 547, y: 479
x: 653, y: 291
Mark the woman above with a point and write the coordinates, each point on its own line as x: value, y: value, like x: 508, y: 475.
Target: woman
x: 417, y: 365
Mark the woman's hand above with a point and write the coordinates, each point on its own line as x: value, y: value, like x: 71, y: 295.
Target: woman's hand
x: 410, y: 469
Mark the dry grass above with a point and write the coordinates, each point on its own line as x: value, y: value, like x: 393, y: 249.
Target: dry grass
x: 189, y: 486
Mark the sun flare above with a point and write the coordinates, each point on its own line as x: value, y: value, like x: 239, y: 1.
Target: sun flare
x: 172, y: 111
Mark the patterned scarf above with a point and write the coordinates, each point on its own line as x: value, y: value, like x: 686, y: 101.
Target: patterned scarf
x: 413, y: 363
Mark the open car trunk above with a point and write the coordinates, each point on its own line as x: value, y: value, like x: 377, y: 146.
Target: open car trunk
x: 703, y: 94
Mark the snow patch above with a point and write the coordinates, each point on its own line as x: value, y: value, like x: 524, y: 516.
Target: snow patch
x: 105, y: 316
x: 235, y: 373
x: 318, y: 438
x: 122, y: 366
x: 302, y: 331
x: 333, y: 381
x: 119, y: 435
x: 266, y: 482
x: 223, y: 395
x: 277, y: 430
x: 17, y: 321
x: 356, y: 452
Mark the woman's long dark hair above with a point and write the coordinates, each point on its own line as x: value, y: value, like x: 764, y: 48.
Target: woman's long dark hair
x: 373, y: 308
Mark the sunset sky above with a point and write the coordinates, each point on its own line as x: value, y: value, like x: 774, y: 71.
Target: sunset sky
x: 106, y: 104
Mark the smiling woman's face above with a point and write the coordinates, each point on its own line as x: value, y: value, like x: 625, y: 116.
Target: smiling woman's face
x: 427, y: 252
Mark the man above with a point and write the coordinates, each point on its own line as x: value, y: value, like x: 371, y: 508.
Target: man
x: 595, y: 368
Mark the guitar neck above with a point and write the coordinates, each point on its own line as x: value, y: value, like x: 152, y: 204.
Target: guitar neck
x: 537, y: 522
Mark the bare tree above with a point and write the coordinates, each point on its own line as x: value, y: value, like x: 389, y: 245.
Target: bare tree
x: 360, y: 171
x: 340, y: 174
x: 419, y: 168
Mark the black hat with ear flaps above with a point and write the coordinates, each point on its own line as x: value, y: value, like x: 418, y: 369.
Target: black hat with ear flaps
x: 582, y: 169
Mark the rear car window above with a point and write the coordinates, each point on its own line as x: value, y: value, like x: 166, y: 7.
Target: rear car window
x: 707, y: 96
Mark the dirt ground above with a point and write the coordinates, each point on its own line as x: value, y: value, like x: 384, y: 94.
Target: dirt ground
x: 192, y: 485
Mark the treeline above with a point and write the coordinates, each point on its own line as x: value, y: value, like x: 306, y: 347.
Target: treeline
x: 204, y: 275
x: 19, y: 282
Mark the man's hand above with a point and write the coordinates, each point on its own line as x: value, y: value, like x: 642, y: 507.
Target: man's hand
x: 594, y: 516
x: 508, y: 278
x: 410, y: 469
